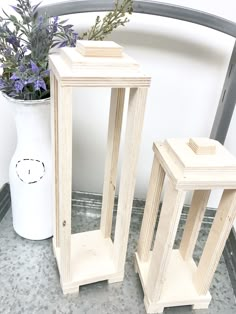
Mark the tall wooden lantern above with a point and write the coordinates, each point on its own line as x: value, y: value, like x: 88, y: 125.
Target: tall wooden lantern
x: 170, y: 277
x: 92, y: 256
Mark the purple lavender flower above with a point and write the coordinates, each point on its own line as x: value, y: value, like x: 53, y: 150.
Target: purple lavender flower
x: 22, y: 68
x: 19, y: 85
x: 40, y: 22
x: 14, y: 77
x: 63, y: 44
x: 31, y: 80
x: 2, y: 83
x: 55, y: 24
x: 40, y: 19
x: 45, y: 73
x: 25, y: 50
x: 34, y: 67
x: 74, y: 39
x: 39, y: 83
x: 13, y: 41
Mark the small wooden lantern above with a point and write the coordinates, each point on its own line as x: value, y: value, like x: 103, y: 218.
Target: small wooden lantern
x: 89, y: 257
x: 170, y: 277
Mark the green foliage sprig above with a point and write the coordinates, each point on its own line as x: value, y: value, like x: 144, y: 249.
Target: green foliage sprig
x: 112, y: 20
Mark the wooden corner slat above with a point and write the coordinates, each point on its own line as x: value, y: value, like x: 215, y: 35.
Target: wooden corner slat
x: 170, y: 214
x: 65, y: 179
x: 151, y: 210
x: 136, y: 109
x: 193, y: 223
x: 111, y: 164
x: 216, y: 240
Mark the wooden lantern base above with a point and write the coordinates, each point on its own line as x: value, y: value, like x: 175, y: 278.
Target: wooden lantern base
x: 92, y: 260
x: 178, y: 288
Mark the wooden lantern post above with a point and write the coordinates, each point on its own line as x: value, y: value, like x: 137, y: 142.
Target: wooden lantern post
x: 170, y: 277
x: 92, y: 256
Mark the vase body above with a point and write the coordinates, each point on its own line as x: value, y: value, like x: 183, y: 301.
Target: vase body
x: 30, y: 173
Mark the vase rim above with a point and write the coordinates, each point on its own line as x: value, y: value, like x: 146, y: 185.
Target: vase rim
x: 26, y: 102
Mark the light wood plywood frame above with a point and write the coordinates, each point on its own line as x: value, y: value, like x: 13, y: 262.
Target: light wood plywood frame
x: 89, y: 257
x: 170, y: 277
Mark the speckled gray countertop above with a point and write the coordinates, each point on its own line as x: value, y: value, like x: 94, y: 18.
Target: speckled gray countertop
x: 29, y: 281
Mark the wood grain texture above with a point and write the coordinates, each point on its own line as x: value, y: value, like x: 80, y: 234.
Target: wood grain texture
x: 202, y: 146
x: 65, y: 179
x: 73, y: 69
x: 178, y: 287
x: 151, y: 210
x: 55, y: 168
x: 90, y: 48
x: 76, y: 62
x: 170, y: 214
x: 91, y: 260
x: 189, y: 171
x: 136, y: 109
x: 193, y: 223
x: 217, y: 237
x: 111, y: 164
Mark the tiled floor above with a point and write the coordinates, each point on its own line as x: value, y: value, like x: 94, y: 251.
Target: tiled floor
x: 29, y: 282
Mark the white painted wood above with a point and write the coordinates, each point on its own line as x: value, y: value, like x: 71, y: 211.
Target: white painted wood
x: 151, y: 210
x: 136, y: 109
x: 170, y: 214
x: 55, y: 166
x: 113, y: 145
x: 90, y: 48
x: 217, y: 237
x: 193, y: 223
x: 65, y: 179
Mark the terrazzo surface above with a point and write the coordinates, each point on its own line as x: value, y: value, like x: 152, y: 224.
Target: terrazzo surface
x: 29, y: 281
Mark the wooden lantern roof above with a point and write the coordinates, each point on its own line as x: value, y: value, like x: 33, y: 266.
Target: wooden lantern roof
x: 98, y: 64
x: 197, y: 163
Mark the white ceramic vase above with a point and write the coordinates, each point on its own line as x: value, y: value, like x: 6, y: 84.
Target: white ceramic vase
x: 30, y: 174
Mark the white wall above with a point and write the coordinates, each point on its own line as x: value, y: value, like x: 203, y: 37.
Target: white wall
x: 187, y: 63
